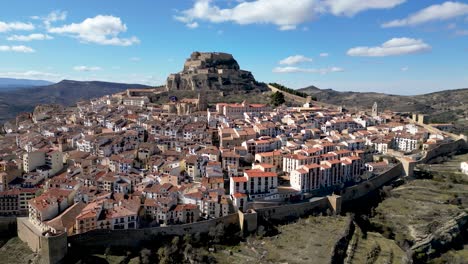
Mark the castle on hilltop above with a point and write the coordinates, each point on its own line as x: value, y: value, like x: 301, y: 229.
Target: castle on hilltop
x: 211, y: 71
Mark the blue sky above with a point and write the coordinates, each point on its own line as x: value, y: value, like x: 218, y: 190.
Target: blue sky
x: 391, y: 46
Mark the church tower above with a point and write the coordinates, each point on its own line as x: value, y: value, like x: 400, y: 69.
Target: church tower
x: 202, y: 102
x: 375, y: 110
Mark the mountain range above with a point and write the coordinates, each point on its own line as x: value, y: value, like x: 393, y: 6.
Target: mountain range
x: 12, y: 84
x: 443, y: 106
x: 426, y: 103
x: 66, y: 92
x: 449, y: 106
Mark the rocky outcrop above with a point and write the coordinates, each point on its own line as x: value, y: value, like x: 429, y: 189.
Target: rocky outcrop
x: 212, y: 71
x: 442, y: 239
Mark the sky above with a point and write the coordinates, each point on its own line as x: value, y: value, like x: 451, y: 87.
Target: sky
x: 392, y: 46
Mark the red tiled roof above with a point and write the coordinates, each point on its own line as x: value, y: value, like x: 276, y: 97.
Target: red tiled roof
x: 239, y: 179
x: 259, y: 173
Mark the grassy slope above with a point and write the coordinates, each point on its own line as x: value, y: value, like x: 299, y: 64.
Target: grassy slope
x: 374, y: 248
x: 307, y: 241
x: 421, y: 206
x: 17, y: 252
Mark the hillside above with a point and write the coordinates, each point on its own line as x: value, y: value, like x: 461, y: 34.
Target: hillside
x: 66, y: 92
x: 444, y: 106
x: 426, y: 103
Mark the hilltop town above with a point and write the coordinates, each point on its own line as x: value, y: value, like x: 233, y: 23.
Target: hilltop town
x: 124, y: 162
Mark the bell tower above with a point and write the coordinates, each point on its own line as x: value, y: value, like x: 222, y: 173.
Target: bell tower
x: 202, y: 102
x: 375, y: 110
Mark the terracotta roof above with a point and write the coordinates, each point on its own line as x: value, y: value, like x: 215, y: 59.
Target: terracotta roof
x: 239, y: 195
x: 239, y: 179
x: 259, y: 173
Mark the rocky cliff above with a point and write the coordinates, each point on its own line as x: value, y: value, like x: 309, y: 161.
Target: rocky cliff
x: 212, y: 71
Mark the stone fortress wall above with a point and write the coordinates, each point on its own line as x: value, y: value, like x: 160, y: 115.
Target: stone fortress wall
x: 133, y: 238
x: 362, y: 189
x: 52, y: 249
x: 444, y: 149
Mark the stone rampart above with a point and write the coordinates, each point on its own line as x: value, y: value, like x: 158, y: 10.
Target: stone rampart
x: 296, y: 98
x: 360, y: 190
x: 51, y: 248
x: 293, y: 211
x: 135, y: 237
x: 444, y: 149
x: 28, y: 235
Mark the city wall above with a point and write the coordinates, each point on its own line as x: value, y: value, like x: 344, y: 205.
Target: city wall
x: 134, y: 238
x: 28, y: 235
x: 293, y: 97
x: 293, y: 211
x: 360, y: 190
x: 299, y: 99
x: 52, y: 249
x: 444, y: 149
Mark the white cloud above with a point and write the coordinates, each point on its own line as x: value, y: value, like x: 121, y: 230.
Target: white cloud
x: 406, y: 68
x: 21, y: 49
x: 103, y: 30
x: 31, y: 75
x: 86, y: 68
x: 444, y: 11
x: 393, y: 47
x: 29, y: 37
x: 323, y: 54
x: 53, y: 16
x: 286, y: 15
x: 13, y: 26
x: 192, y: 25
x: 352, y: 7
x: 292, y: 60
x: 135, y: 59
x: 290, y: 69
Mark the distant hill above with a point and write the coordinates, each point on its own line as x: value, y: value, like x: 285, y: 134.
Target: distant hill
x: 425, y: 103
x: 11, y: 83
x: 442, y: 107
x: 66, y: 92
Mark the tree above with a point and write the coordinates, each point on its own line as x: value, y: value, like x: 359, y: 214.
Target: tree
x: 277, y: 99
x: 145, y: 256
x: 217, y: 233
